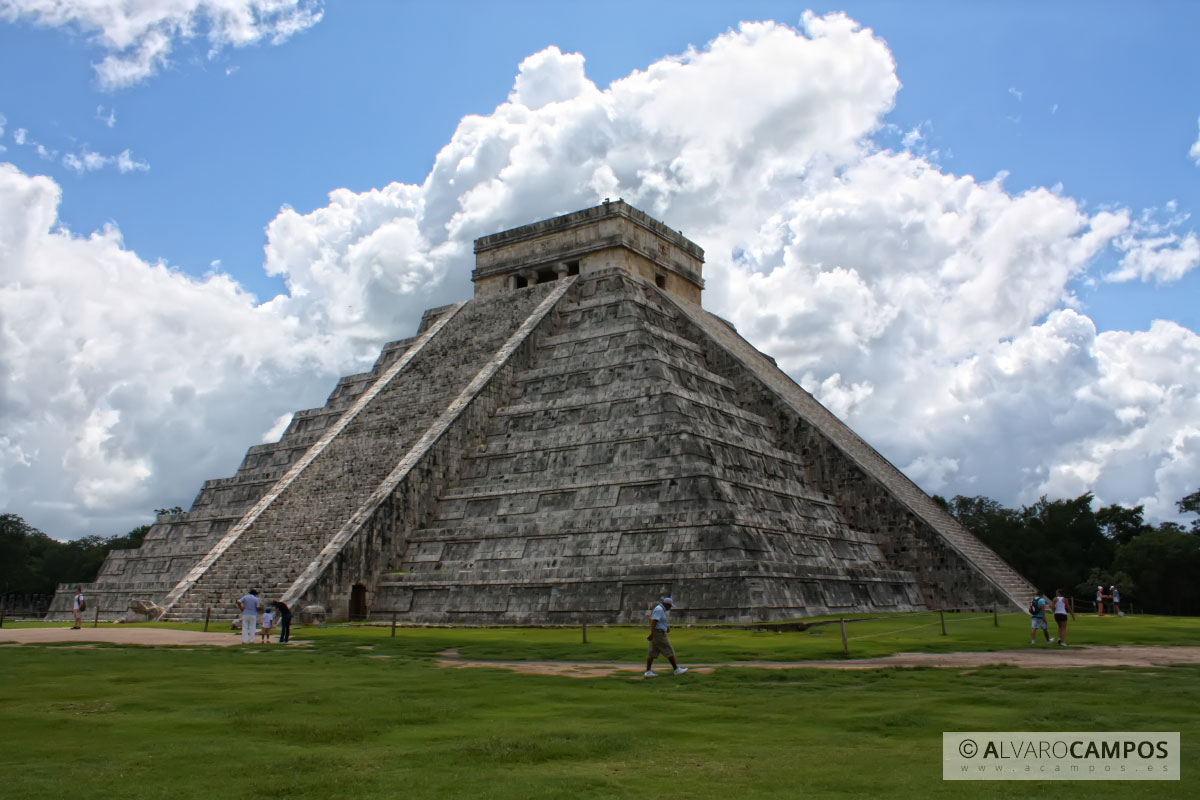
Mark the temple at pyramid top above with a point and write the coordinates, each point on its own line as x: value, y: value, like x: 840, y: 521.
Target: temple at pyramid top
x: 613, y: 235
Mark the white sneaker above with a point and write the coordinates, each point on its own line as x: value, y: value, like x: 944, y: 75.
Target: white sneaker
x: 648, y: 674
x: 1033, y: 641
x: 680, y: 670
x: 1050, y: 640
x: 1061, y: 643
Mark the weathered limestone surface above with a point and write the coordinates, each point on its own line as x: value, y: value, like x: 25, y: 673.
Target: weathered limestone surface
x: 577, y: 440
x: 624, y: 468
x: 952, y: 567
x: 609, y: 236
x: 176, y: 542
x: 378, y: 532
x: 276, y: 546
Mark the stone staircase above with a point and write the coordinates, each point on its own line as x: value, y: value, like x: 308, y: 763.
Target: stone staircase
x: 624, y: 467
x: 290, y: 526
x: 176, y: 542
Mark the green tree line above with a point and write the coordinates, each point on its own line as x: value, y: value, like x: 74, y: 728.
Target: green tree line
x: 1065, y: 544
x: 33, y: 563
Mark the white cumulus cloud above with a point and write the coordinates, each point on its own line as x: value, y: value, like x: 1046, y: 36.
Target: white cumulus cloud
x: 1154, y: 249
x: 932, y: 311
x: 123, y: 383
x: 137, y: 36
x: 89, y: 161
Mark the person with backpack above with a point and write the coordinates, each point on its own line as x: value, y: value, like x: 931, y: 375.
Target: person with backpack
x: 658, y: 638
x: 78, y: 607
x: 1114, y: 594
x: 1037, y: 614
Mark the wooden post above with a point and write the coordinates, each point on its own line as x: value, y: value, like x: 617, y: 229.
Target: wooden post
x: 845, y: 645
x: 585, y: 627
x: 995, y: 617
x: 3, y: 608
x: 96, y: 619
x: 207, y: 614
x: 942, y: 616
x: 1071, y: 606
x: 393, y: 624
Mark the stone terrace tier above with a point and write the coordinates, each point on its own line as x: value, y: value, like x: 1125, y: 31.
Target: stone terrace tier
x: 952, y: 567
x: 277, y: 541
x: 176, y: 542
x: 624, y: 468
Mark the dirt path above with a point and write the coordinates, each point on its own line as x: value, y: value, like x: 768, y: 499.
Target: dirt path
x: 1074, y: 657
x: 117, y: 635
x: 1036, y: 657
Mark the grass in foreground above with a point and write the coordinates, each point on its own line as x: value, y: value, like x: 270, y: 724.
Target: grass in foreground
x: 336, y: 720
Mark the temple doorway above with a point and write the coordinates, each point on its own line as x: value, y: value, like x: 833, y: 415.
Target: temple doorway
x: 358, y: 602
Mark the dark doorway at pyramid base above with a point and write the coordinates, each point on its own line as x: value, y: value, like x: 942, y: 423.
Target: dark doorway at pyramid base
x: 358, y: 603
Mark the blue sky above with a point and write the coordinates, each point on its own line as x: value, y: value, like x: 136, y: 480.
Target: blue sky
x: 372, y: 92
x: 1096, y: 102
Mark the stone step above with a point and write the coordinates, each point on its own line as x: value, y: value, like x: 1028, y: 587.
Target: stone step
x: 365, y: 450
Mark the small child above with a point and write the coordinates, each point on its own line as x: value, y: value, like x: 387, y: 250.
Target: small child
x: 268, y: 618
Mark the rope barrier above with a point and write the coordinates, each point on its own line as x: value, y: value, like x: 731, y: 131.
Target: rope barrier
x: 849, y: 620
x: 956, y: 615
x: 889, y: 632
x: 987, y: 616
x: 972, y: 619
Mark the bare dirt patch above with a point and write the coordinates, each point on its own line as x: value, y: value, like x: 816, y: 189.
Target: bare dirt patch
x: 1055, y: 658
x: 117, y: 635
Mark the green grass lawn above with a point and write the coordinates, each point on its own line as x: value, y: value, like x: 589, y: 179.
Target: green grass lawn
x: 696, y: 644
x: 336, y: 720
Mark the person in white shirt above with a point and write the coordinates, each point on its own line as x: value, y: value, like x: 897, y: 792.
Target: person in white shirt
x: 659, y: 643
x: 249, y: 606
x: 1060, y: 616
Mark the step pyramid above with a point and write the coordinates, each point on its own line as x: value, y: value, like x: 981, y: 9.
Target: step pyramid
x: 577, y: 440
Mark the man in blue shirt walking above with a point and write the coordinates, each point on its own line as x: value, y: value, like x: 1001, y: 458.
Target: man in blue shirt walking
x: 659, y: 643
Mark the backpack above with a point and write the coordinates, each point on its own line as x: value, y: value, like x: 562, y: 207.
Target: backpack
x: 1035, y: 607
x: 82, y: 604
